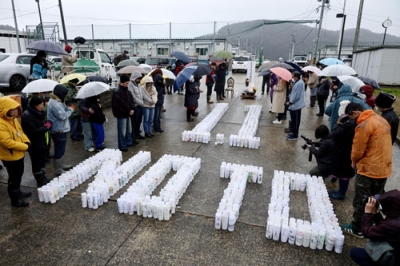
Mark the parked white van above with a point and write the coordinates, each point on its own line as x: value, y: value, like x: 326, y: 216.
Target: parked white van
x: 240, y: 63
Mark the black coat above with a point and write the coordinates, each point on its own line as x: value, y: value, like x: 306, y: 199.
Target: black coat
x: 98, y: 116
x: 192, y: 94
x: 393, y: 120
x: 342, y: 136
x: 220, y: 75
x: 323, y: 88
x: 160, y: 90
x: 323, y: 154
x: 32, y: 123
x: 122, y: 102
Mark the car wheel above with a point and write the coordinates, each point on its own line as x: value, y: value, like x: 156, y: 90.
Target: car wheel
x: 233, y: 71
x: 17, y: 82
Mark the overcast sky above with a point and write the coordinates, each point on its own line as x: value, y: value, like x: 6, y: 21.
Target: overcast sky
x: 190, y: 18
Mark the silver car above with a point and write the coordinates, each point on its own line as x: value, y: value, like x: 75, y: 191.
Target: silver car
x: 14, y: 70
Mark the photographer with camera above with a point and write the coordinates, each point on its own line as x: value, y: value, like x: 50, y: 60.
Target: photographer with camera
x: 323, y: 154
x: 382, y: 228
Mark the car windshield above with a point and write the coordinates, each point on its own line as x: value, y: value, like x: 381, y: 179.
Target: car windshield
x: 300, y: 58
x: 241, y: 58
x: 3, y: 56
x: 105, y: 58
x: 152, y: 61
x: 57, y: 60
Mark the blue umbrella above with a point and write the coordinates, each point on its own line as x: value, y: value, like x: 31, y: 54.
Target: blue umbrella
x: 194, y: 70
x: 181, y: 56
x: 50, y: 47
x: 331, y: 61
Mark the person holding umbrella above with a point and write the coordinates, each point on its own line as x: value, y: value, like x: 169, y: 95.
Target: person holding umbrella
x: 159, y: 85
x: 295, y: 104
x: 73, y: 102
x: 220, y: 75
x: 148, y: 106
x: 13, y: 145
x: 68, y: 61
x: 191, y: 97
x: 36, y: 128
x: 210, y: 82
x: 97, y: 119
x: 312, y: 84
x: 38, y: 59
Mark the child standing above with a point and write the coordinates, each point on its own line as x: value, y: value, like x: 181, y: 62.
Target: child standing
x: 97, y: 118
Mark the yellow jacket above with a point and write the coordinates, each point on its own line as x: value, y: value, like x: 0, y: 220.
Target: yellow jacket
x: 372, y: 146
x: 12, y: 139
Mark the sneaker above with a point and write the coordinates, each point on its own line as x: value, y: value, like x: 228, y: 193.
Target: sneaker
x: 291, y: 137
x: 277, y: 122
x: 348, y: 229
x: 91, y: 149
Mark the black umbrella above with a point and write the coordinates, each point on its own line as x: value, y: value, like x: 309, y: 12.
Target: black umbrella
x: 97, y: 78
x: 202, y: 69
x: 79, y: 40
x: 264, y: 72
x: 370, y: 81
x: 181, y: 56
x: 295, y: 66
x: 282, y: 65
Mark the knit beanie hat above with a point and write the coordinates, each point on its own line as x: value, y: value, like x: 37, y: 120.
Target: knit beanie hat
x: 34, y: 101
x: 60, y: 91
x: 124, y: 78
x: 68, y: 48
x: 385, y: 100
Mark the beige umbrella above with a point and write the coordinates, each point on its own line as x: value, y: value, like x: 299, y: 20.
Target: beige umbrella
x: 129, y: 69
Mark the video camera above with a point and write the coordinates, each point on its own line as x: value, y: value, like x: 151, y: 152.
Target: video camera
x: 304, y: 147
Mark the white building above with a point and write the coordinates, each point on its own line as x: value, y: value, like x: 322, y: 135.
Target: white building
x: 380, y: 63
x: 9, y: 43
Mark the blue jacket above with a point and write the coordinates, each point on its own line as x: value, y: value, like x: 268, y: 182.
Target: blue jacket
x: 297, y: 96
x: 58, y: 114
x: 345, y: 93
x: 39, y: 71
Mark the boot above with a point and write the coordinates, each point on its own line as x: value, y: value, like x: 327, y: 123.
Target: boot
x: 15, y: 200
x: 22, y: 195
x: 194, y: 113
x: 65, y: 166
x: 41, y: 179
x: 58, y: 170
x: 209, y: 100
x: 189, y: 115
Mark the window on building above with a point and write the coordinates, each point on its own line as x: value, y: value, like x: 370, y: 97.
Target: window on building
x: 202, y: 51
x: 162, y: 51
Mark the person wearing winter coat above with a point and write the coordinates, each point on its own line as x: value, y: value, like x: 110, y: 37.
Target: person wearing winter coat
x: 342, y: 136
x: 371, y: 156
x: 383, y: 103
x: 345, y: 93
x: 58, y: 114
x: 220, y: 75
x: 378, y: 227
x: 86, y: 111
x: 323, y: 154
x: 295, y: 104
x: 148, y: 107
x: 13, y: 145
x: 210, y: 82
x: 274, y: 82
x: 39, y: 58
x: 159, y: 85
x: 97, y: 118
x: 278, y: 103
x: 68, y: 61
x: 312, y: 84
x: 123, y: 108
x: 335, y: 87
x: 191, y: 98
x: 36, y: 128
x: 322, y: 94
x: 75, y: 121
x: 138, y: 98
x: 40, y: 70
x: 369, y: 93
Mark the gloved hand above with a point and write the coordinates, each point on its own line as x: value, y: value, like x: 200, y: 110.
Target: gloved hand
x: 48, y: 124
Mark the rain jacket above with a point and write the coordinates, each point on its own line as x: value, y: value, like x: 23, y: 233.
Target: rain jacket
x: 323, y: 88
x: 33, y: 125
x: 323, y: 154
x: 71, y: 100
x: 375, y: 228
x: 160, y: 88
x: 297, y: 100
x: 152, y: 93
x: 39, y: 71
x: 13, y: 141
x: 369, y: 92
x: 393, y: 121
x: 278, y: 103
x: 67, y: 63
x: 345, y: 93
x: 58, y: 114
x: 137, y: 92
x: 372, y: 146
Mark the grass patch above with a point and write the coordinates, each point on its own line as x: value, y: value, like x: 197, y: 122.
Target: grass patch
x: 396, y: 105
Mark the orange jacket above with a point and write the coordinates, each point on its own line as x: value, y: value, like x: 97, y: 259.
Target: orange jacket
x: 372, y: 146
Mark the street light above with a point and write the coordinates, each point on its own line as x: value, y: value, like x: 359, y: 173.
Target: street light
x: 40, y: 16
x: 342, y: 32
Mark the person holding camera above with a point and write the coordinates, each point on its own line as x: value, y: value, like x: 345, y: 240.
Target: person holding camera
x: 382, y: 228
x: 323, y: 154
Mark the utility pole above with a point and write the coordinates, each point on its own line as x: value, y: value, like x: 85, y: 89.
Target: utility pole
x: 292, y: 42
x: 215, y: 33
x: 360, y: 9
x: 40, y: 16
x: 63, y: 23
x: 319, y: 31
x: 341, y: 31
x: 16, y: 27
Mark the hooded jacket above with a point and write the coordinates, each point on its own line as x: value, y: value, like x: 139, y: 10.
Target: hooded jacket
x: 375, y: 228
x: 152, y: 93
x: 13, y: 141
x: 345, y: 93
x: 136, y: 90
x: 372, y: 146
x: 369, y: 92
x: 393, y: 121
x: 58, y: 114
x: 33, y: 125
x: 160, y: 88
x: 122, y: 102
x: 71, y: 100
x: 323, y: 155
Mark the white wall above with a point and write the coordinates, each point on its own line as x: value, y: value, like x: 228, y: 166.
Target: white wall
x: 10, y: 44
